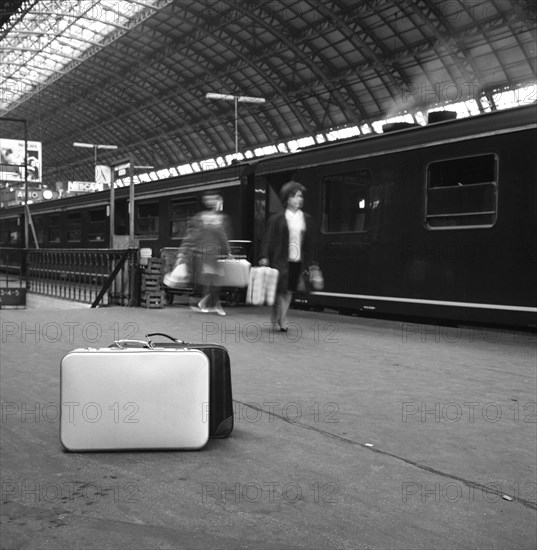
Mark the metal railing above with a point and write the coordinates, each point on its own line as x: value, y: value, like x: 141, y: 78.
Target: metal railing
x: 95, y: 276
x: 12, y: 281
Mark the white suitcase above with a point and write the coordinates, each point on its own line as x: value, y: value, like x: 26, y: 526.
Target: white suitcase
x: 236, y: 272
x: 133, y: 399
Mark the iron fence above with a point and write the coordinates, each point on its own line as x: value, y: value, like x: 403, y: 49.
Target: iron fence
x: 95, y: 276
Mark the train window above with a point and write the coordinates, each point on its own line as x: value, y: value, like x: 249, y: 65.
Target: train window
x: 54, y: 229
x: 462, y: 192
x: 39, y: 226
x: 10, y: 232
x: 346, y: 202
x: 97, y: 225
x: 181, y: 212
x: 74, y: 227
x: 147, y: 220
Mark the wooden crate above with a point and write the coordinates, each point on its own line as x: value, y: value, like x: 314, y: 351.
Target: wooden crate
x: 152, y: 299
x: 154, y: 266
x: 151, y: 283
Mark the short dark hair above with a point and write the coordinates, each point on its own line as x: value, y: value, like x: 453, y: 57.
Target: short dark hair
x: 290, y: 189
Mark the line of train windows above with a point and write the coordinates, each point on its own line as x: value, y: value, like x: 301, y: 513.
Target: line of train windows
x: 97, y: 225
x: 462, y: 192
x: 181, y: 212
x: 147, y: 219
x: 346, y: 202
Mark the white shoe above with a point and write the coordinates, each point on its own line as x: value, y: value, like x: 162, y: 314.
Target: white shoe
x: 219, y: 309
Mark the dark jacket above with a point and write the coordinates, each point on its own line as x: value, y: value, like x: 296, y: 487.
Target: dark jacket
x: 275, y: 246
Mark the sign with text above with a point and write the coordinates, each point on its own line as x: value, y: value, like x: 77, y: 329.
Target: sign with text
x: 12, y: 160
x: 83, y: 186
x: 12, y: 297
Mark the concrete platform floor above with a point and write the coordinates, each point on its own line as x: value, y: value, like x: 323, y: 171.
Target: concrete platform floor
x: 349, y: 433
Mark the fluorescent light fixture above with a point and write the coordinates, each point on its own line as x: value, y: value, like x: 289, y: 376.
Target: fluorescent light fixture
x: 94, y: 145
x: 239, y: 98
x: 236, y: 99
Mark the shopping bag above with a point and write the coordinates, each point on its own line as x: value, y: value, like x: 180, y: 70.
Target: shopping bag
x: 262, y: 285
x: 255, y: 293
x: 271, y: 283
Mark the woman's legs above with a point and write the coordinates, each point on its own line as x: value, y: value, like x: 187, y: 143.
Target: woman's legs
x: 285, y: 302
x: 282, y: 302
x: 211, y: 294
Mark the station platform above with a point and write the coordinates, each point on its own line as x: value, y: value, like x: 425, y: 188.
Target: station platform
x: 349, y: 433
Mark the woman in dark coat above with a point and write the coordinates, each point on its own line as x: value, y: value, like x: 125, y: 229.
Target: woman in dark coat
x: 288, y: 247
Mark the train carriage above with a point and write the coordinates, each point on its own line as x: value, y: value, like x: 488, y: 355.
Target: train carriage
x: 433, y: 222
x: 436, y: 221
x: 162, y: 211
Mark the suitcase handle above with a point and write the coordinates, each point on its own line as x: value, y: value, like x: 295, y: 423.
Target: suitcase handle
x: 148, y: 336
x: 124, y: 344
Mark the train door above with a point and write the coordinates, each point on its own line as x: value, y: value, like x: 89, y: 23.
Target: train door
x: 267, y: 202
x: 344, y: 218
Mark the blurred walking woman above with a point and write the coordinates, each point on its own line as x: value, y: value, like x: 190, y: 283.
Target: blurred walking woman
x: 288, y: 247
x: 205, y: 243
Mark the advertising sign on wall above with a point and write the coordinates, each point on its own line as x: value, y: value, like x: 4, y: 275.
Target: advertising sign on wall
x: 12, y: 160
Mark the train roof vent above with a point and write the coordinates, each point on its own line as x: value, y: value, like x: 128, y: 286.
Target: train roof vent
x: 441, y: 116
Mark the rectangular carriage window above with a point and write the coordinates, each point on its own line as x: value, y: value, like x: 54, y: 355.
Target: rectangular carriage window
x: 39, y: 226
x: 462, y: 192
x: 346, y: 202
x: 74, y: 227
x: 9, y: 232
x: 181, y: 212
x: 97, y: 225
x: 147, y: 219
x: 54, y: 229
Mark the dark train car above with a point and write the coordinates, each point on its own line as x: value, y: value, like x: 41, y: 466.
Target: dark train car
x: 430, y: 222
x: 436, y: 221
x: 162, y: 211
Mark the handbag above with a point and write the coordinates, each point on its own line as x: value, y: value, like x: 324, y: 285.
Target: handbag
x: 178, y: 277
x: 311, y: 279
x: 315, y: 277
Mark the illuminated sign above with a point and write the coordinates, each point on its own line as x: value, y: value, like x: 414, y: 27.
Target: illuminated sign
x: 83, y: 186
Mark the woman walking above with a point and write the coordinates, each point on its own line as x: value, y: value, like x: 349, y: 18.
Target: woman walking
x: 288, y: 247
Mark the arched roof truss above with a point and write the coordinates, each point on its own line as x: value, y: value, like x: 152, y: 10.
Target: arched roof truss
x: 135, y: 73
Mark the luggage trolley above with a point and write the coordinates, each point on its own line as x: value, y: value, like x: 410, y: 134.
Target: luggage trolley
x: 236, y: 271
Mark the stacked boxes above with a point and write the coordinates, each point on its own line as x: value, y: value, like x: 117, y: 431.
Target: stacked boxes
x: 152, y: 295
